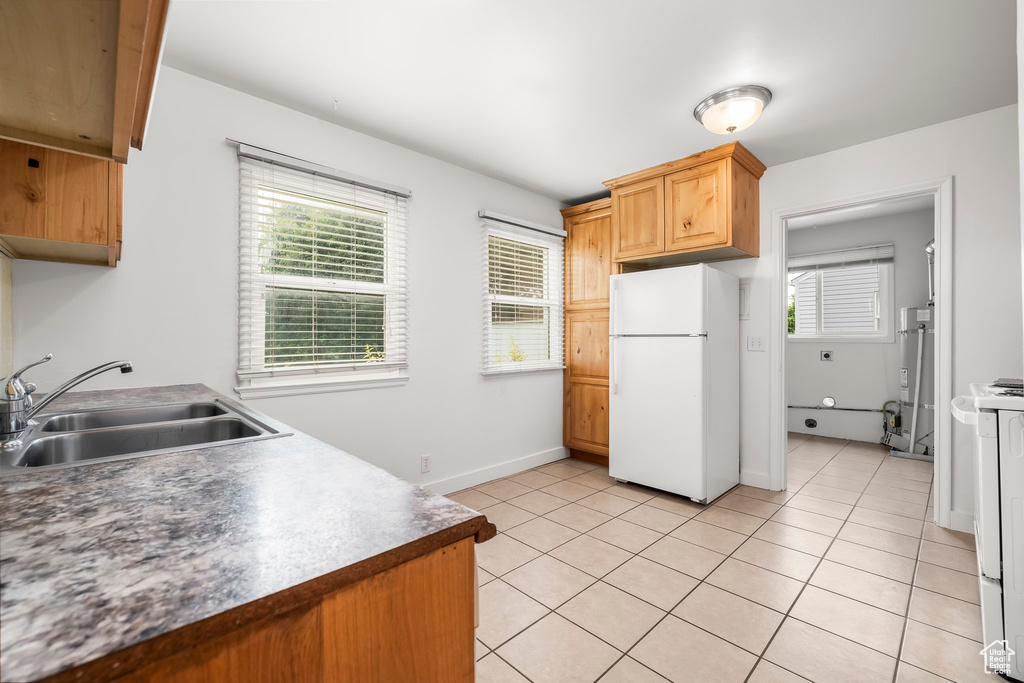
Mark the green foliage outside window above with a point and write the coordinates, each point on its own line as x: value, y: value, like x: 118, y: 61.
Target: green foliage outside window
x: 515, y: 354
x: 309, y: 237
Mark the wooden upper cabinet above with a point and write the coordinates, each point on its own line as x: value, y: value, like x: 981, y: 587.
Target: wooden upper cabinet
x: 78, y: 74
x: 638, y: 210
x: 588, y: 255
x: 695, y: 210
x: 58, y: 206
x: 701, y: 208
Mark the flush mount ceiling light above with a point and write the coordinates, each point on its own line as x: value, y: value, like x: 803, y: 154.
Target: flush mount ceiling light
x: 732, y: 109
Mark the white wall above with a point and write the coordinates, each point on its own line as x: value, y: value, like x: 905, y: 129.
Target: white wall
x: 860, y: 374
x: 981, y: 152
x: 170, y: 306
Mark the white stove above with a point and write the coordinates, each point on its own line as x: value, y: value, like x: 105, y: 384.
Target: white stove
x: 998, y: 419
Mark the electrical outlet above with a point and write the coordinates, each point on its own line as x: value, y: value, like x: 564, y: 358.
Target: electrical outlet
x: 826, y: 355
x: 755, y: 343
x: 424, y: 463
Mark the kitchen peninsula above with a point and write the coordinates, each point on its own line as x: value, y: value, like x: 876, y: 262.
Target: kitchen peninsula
x: 275, y: 559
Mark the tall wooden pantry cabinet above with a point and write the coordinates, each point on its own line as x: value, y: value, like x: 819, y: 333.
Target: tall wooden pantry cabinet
x: 588, y: 265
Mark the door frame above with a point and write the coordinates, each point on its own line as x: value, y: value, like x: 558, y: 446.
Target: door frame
x: 941, y: 191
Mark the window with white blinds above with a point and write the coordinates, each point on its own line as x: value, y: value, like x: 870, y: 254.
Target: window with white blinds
x: 322, y: 282
x: 842, y: 294
x: 522, y: 317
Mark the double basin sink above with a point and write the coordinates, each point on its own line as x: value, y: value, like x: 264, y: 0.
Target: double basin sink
x: 78, y: 438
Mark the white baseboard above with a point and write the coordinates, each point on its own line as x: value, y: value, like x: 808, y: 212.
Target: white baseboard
x: 464, y: 481
x: 758, y: 480
x: 961, y: 521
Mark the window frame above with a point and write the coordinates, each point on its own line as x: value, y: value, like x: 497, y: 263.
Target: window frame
x: 553, y: 302
x: 256, y: 380
x: 885, y: 307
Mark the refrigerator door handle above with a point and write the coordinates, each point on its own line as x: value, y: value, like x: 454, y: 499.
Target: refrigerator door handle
x: 613, y: 371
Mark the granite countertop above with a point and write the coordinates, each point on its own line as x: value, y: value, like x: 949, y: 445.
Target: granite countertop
x: 99, y: 564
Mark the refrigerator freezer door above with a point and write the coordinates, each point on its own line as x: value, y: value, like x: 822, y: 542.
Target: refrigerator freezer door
x: 657, y: 413
x: 667, y: 301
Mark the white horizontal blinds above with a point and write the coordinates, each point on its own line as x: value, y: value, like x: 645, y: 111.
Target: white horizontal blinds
x: 322, y: 284
x: 849, y: 299
x: 522, y: 325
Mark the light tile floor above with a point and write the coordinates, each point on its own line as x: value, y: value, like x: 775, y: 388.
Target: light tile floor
x: 840, y: 578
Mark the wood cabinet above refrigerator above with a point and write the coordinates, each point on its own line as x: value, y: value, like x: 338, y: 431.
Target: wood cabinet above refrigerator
x: 701, y: 208
x: 78, y: 75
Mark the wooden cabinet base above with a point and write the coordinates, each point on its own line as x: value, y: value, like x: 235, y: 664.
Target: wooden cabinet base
x: 594, y: 458
x: 412, y: 622
x: 682, y: 258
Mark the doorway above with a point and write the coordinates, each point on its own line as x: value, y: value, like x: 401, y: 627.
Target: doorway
x: 863, y: 298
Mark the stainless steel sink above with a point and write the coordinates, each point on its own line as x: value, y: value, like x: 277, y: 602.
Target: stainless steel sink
x: 101, y: 443
x: 79, y: 438
x: 120, y: 417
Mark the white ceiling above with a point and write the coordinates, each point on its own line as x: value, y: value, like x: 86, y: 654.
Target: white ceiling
x: 559, y: 95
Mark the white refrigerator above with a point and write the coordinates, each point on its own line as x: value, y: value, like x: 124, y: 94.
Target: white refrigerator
x: 674, y: 380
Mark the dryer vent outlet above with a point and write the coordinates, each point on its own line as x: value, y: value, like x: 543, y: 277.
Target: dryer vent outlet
x: 810, y: 423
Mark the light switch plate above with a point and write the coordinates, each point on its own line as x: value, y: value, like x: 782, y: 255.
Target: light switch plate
x: 755, y: 343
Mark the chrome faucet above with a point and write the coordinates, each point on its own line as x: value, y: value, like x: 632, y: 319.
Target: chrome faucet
x: 16, y: 405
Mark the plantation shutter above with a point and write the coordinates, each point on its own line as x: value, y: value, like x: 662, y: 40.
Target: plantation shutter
x: 522, y: 283
x: 840, y: 292
x: 849, y: 299
x: 806, y: 299
x: 322, y: 273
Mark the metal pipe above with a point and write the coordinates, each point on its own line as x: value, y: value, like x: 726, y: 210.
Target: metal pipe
x: 917, y: 388
x: 855, y: 410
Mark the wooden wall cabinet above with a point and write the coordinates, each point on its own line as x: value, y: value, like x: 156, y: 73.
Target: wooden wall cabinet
x: 79, y: 74
x: 588, y: 265
x: 701, y: 208
x: 77, y: 91
x: 639, y: 210
x: 59, y: 206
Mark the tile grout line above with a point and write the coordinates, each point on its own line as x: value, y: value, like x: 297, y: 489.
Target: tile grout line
x: 601, y: 580
x: 597, y: 579
x: 662, y: 535
x: 637, y: 554
x: 704, y: 580
x: 906, y: 616
x: 590, y: 585
x: 804, y: 587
